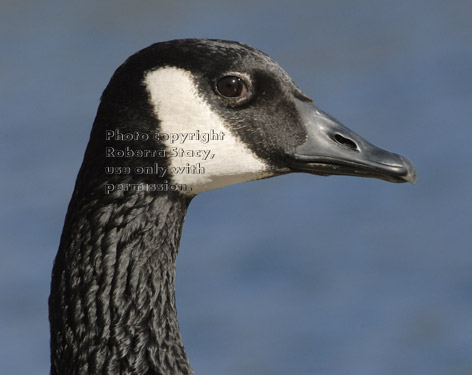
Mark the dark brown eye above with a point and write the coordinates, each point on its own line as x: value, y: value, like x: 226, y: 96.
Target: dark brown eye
x: 231, y: 86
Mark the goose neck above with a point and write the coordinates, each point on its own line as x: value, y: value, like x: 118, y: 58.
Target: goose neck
x: 112, y: 304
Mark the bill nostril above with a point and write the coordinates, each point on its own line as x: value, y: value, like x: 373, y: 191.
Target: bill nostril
x: 346, y: 142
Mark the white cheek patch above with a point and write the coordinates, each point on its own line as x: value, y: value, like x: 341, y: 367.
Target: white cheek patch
x: 201, y: 151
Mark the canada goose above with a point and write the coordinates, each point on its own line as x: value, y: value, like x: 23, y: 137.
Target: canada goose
x: 177, y: 118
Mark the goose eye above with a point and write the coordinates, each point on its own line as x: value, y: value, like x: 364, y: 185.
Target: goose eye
x: 231, y: 86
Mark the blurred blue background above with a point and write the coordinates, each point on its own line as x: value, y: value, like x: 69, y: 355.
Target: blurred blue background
x: 293, y: 275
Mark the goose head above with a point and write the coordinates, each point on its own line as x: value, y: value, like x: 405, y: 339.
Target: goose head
x: 210, y: 113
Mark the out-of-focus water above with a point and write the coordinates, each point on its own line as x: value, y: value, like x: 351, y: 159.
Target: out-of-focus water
x: 293, y: 275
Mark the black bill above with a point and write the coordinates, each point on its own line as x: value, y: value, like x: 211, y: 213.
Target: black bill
x: 333, y: 149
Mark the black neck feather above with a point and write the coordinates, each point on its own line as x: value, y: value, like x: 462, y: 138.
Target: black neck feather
x: 112, y: 304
